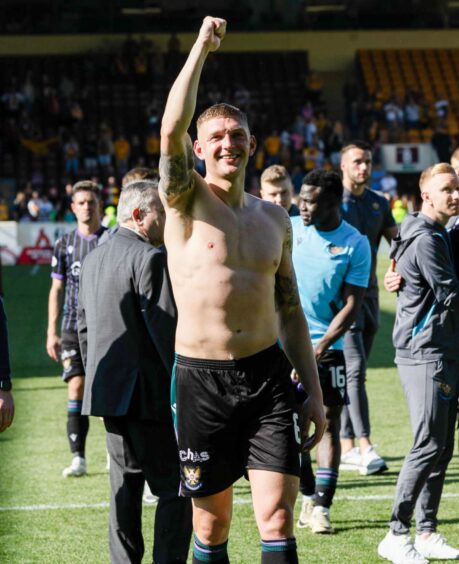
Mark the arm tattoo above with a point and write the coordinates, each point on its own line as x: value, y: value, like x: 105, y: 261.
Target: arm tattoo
x: 286, y: 291
x: 175, y: 174
x: 288, y: 241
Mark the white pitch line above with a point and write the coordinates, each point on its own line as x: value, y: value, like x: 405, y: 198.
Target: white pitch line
x: 237, y: 501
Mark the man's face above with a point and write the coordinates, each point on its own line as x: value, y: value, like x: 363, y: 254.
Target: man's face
x: 225, y: 144
x: 278, y: 192
x: 153, y: 223
x: 356, y: 167
x: 314, y: 209
x: 442, y: 193
x: 86, y: 207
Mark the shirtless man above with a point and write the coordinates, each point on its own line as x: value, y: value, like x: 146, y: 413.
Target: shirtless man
x: 230, y: 264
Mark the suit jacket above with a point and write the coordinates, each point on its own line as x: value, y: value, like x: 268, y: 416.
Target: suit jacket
x: 126, y: 328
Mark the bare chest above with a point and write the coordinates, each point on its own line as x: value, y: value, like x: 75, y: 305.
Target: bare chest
x: 249, y: 241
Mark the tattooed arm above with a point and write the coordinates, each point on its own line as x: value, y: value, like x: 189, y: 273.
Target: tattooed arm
x: 295, y: 339
x: 176, y: 165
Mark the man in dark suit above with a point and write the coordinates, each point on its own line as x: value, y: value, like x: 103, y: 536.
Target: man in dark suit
x: 126, y: 327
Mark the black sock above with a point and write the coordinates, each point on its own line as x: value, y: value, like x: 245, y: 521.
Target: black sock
x: 307, y: 480
x: 281, y: 551
x: 77, y: 427
x: 325, y: 486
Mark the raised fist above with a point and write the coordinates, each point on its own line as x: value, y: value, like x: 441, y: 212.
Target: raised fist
x: 212, y: 32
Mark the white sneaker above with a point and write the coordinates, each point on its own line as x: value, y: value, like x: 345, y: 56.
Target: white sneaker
x: 400, y: 550
x: 371, y: 462
x: 435, y: 546
x: 148, y: 497
x: 351, y: 459
x: 320, y: 521
x: 76, y: 468
x: 306, y: 511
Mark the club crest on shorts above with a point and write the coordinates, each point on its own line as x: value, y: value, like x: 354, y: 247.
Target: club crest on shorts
x: 192, y: 477
x: 335, y: 250
x: 445, y: 390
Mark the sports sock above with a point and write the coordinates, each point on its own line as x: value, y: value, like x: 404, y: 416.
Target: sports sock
x: 307, y: 480
x: 326, y: 480
x: 77, y: 427
x: 281, y: 551
x: 206, y: 553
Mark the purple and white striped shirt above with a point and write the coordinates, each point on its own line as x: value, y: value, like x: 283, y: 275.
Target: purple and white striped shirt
x: 69, y: 253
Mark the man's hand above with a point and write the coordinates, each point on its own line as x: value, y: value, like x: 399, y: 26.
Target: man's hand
x: 6, y: 410
x: 312, y: 411
x: 392, y: 280
x: 53, y: 347
x: 212, y: 32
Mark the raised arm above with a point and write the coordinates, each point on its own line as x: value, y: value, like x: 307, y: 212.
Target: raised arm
x: 176, y: 163
x: 295, y: 339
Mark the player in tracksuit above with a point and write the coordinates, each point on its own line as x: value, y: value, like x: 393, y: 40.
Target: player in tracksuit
x: 425, y: 337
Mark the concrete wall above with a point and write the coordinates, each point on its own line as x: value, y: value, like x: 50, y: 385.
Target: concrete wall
x: 328, y: 51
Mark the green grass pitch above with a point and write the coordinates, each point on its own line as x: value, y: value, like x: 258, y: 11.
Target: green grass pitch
x: 45, y: 518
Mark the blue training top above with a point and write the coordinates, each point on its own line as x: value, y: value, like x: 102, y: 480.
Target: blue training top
x: 324, y: 261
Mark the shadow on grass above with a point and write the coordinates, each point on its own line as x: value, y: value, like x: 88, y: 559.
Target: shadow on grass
x: 349, y: 525
x: 38, y: 388
x: 388, y: 480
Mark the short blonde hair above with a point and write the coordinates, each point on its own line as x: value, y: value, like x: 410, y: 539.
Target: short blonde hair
x: 274, y: 173
x: 431, y: 171
x: 222, y: 110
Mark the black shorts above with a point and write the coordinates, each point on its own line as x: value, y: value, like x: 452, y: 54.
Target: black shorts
x: 232, y: 416
x: 332, y: 376
x: 71, y: 356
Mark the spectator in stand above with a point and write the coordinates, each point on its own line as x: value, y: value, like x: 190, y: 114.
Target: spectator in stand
x: 377, y: 174
x: 122, y: 152
x: 297, y: 178
x: 46, y: 209
x: 412, y: 113
x: 307, y: 111
x: 111, y: 192
x: 314, y: 87
x: 136, y: 151
x: 441, y: 109
x: 442, y: 143
x: 335, y: 143
x: 34, y: 205
x: 90, y: 161
x: 399, y: 211
x: 272, y: 145
x: 20, y: 209
x: 389, y: 186
x: 277, y: 187
x: 4, y: 210
x: 105, y: 149
x: 313, y: 156
x: 310, y: 131
x: 13, y: 102
x: 152, y: 148
x: 71, y: 155
x: 393, y: 116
